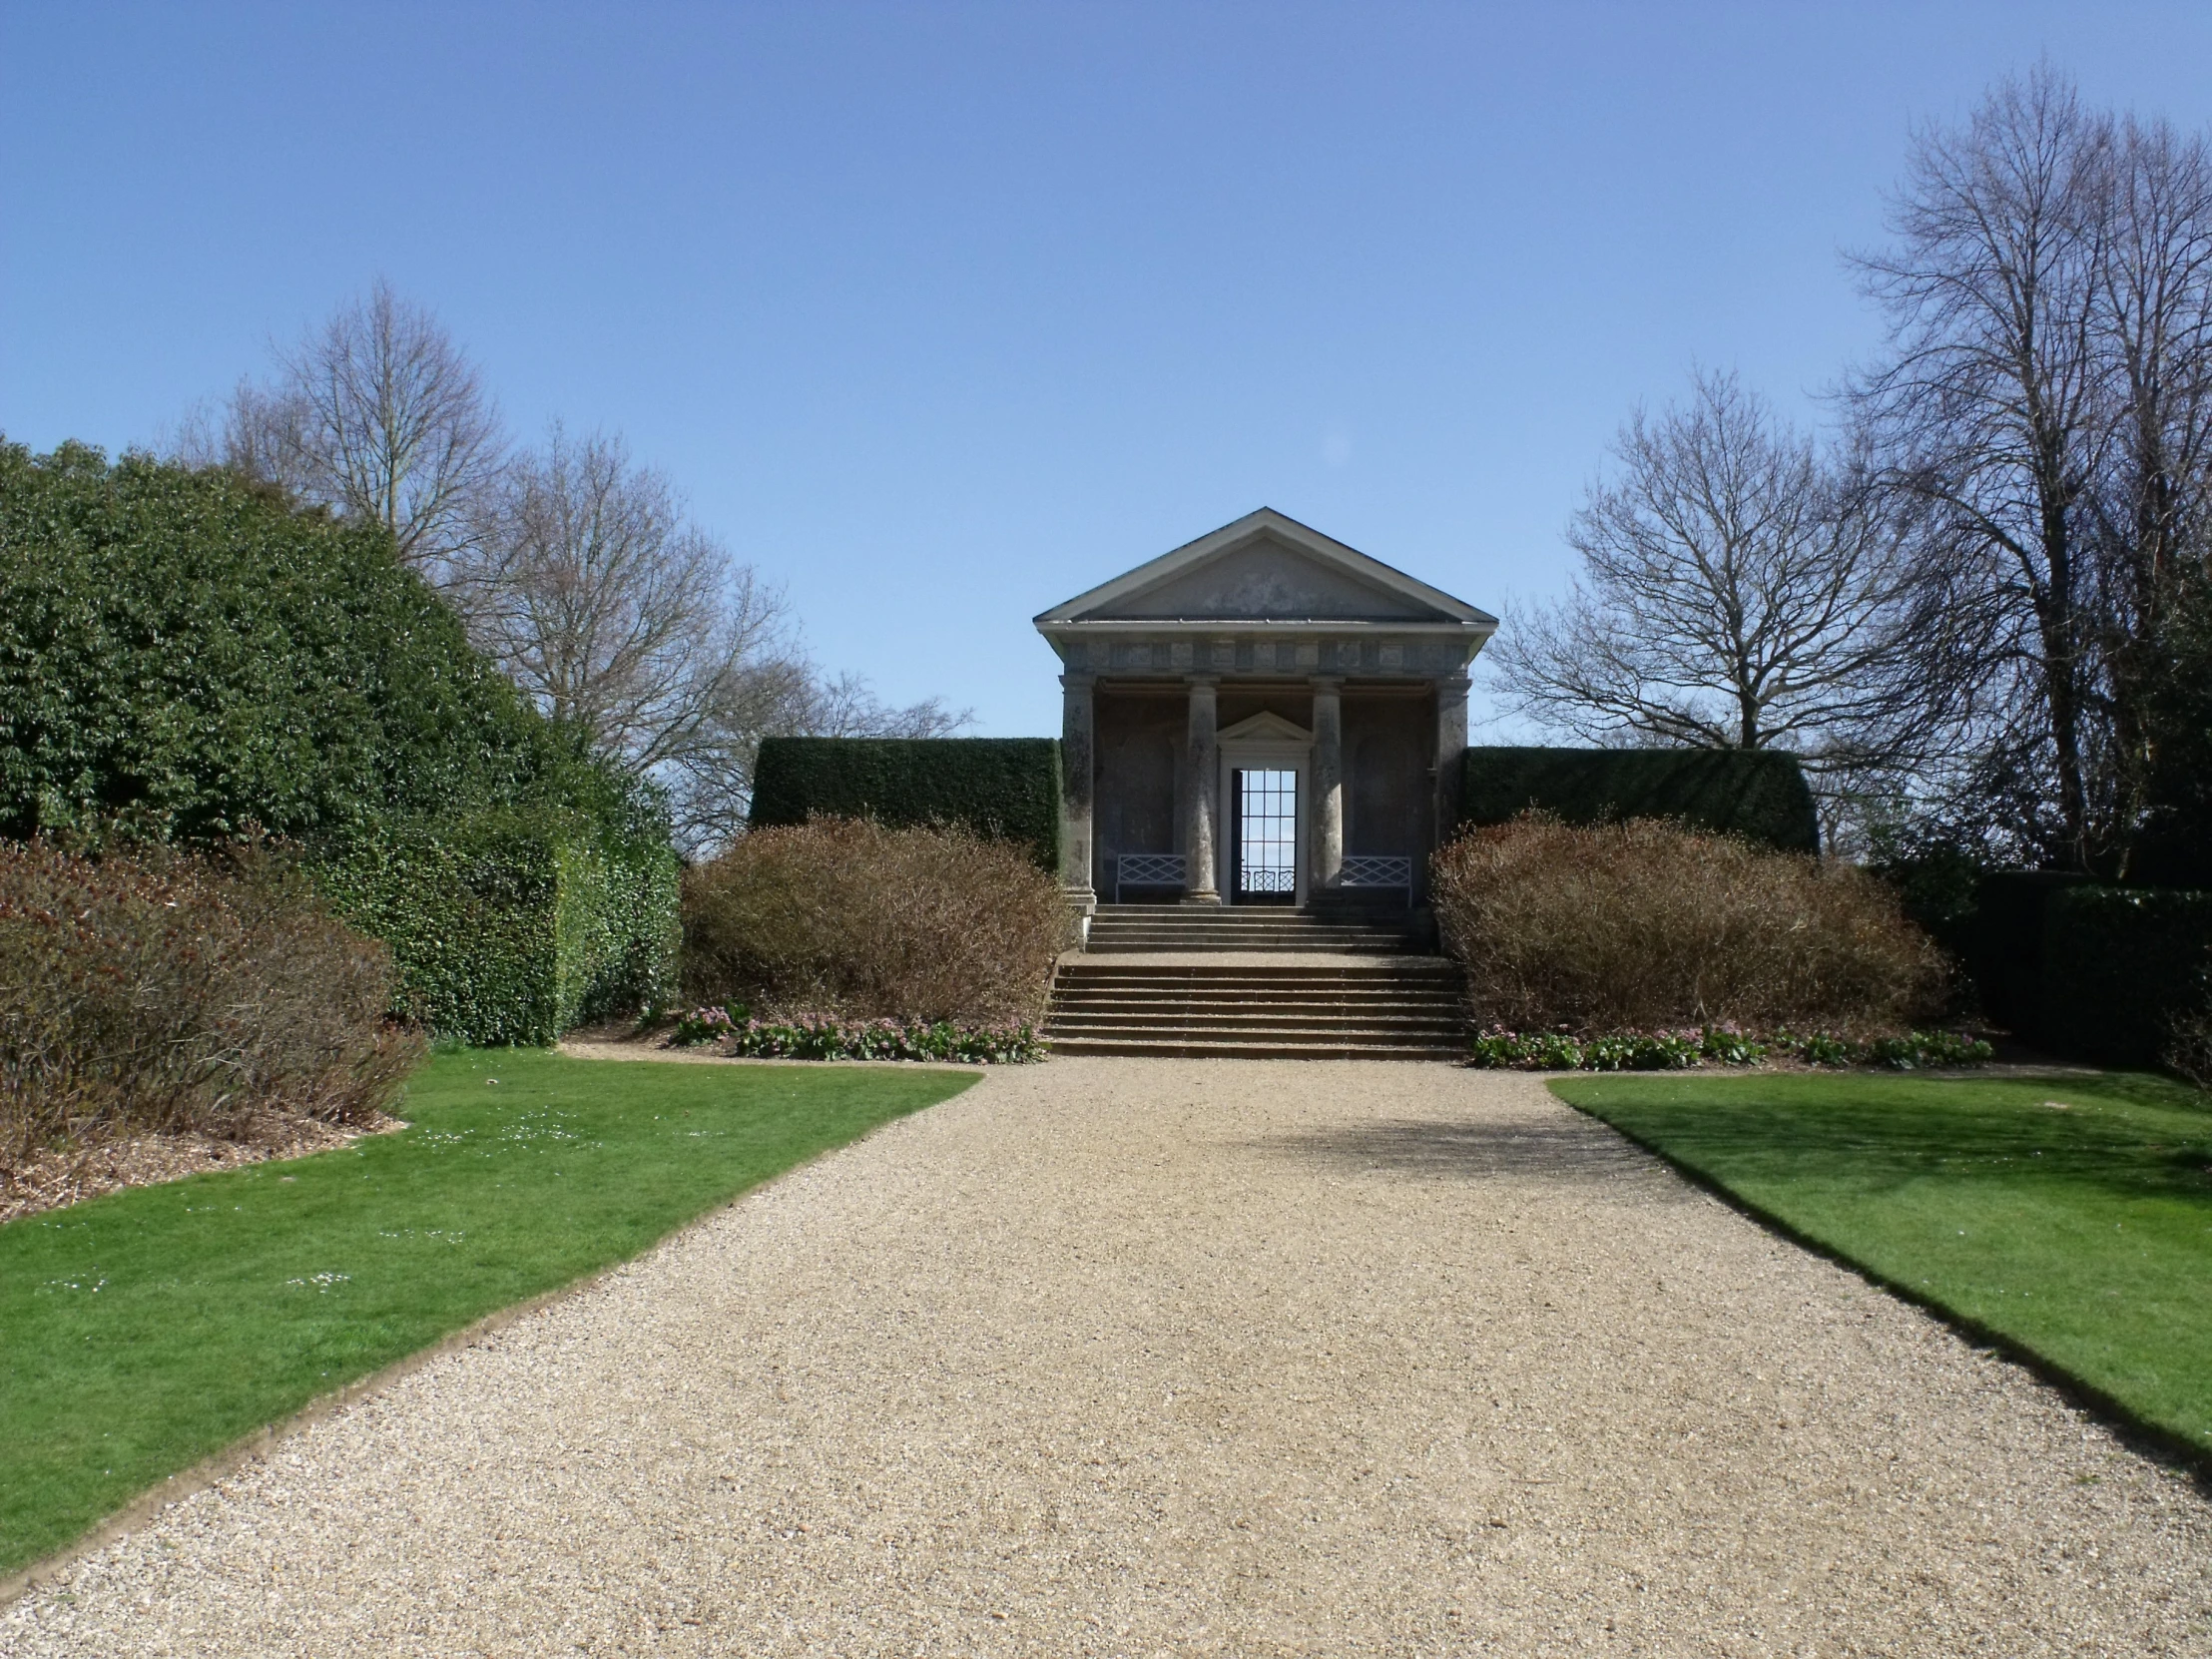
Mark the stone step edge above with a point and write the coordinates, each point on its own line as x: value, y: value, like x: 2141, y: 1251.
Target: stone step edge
x: 1254, y: 1051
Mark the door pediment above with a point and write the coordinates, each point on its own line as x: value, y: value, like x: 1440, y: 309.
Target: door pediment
x: 1263, y: 728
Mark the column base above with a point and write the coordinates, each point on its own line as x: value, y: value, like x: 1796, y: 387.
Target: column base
x: 1201, y: 898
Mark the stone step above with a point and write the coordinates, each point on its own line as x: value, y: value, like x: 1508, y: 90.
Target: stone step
x: 1168, y: 927
x: 1317, y: 1018
x: 1285, y: 943
x: 1320, y: 938
x: 1390, y: 1005
x: 1260, y: 996
x: 1180, y: 1048
x: 1228, y: 976
x: 1271, y: 996
x: 1436, y: 1034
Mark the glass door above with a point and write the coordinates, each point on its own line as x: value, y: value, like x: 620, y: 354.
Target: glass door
x: 1265, y: 804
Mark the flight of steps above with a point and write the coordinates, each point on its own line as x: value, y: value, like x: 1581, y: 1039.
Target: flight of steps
x: 1384, y: 1004
x: 1123, y: 928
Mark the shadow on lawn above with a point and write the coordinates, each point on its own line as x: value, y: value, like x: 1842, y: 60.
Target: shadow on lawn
x: 1573, y: 1150
x: 2135, y: 1143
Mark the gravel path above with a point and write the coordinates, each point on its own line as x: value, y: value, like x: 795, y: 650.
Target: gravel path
x: 1142, y: 1356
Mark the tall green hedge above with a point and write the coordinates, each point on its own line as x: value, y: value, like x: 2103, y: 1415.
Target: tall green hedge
x: 2119, y: 965
x: 2003, y: 940
x: 507, y: 928
x: 185, y: 656
x: 1005, y: 787
x: 1759, y: 793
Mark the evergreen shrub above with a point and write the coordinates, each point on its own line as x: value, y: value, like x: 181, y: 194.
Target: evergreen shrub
x: 186, y: 658
x: 187, y: 653
x: 1759, y: 793
x: 1004, y: 788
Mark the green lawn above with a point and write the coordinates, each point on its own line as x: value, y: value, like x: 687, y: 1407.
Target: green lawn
x: 2081, y: 1237
x: 141, y: 1332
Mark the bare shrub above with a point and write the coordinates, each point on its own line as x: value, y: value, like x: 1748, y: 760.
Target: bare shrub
x: 846, y: 917
x: 2189, y: 1047
x: 1645, y: 925
x: 165, y: 993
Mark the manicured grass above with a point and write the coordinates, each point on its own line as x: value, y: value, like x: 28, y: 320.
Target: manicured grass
x: 2082, y: 1236
x: 142, y: 1331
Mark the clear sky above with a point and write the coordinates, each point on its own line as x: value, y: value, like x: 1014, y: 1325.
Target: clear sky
x: 942, y: 314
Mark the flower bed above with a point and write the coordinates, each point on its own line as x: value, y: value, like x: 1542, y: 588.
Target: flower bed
x: 1720, y: 1045
x: 818, y: 1037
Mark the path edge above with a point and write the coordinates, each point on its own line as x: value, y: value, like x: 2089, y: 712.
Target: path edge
x: 255, y: 1445
x: 2177, y: 1451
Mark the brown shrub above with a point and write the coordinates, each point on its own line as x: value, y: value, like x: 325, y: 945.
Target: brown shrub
x: 843, y: 917
x: 166, y: 994
x: 1645, y: 925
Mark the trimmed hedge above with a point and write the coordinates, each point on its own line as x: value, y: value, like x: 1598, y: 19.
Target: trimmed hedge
x: 2120, y: 967
x: 1759, y: 793
x: 507, y: 930
x: 2001, y: 941
x: 1007, y: 789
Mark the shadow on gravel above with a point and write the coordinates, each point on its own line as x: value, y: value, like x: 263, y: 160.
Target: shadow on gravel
x: 1581, y: 1152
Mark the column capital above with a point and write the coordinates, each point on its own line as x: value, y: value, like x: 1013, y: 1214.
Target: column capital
x: 1078, y: 680
x: 1196, y: 681
x: 1453, y: 685
x: 1325, y: 682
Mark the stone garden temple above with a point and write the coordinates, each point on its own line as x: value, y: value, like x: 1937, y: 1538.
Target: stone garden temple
x: 1260, y: 717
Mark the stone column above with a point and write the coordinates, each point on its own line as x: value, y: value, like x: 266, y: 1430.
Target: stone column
x: 1077, y: 770
x: 1202, y: 781
x: 1329, y: 783
x: 1451, y: 751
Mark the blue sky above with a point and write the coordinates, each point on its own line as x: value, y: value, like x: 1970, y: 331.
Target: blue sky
x: 942, y: 314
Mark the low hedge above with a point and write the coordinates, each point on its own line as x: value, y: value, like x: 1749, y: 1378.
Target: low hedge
x: 1759, y: 793
x: 1006, y: 788
x: 507, y: 928
x: 2121, y: 966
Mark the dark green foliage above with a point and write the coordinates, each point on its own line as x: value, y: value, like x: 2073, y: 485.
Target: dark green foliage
x: 185, y: 657
x: 2120, y: 967
x: 2174, y: 845
x: 1999, y: 937
x: 1722, y: 1045
x: 511, y: 929
x: 1007, y: 789
x: 1759, y: 793
x: 189, y: 654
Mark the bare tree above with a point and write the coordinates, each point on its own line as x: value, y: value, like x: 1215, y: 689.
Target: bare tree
x: 623, y: 619
x: 845, y: 706
x: 2048, y: 399
x: 1990, y: 405
x: 1735, y: 591
x: 379, y: 415
x: 2152, y: 516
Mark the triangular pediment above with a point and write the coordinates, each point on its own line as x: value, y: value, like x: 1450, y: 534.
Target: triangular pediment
x: 1265, y: 568
x: 1264, y: 727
